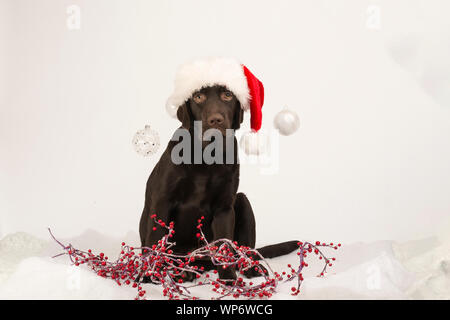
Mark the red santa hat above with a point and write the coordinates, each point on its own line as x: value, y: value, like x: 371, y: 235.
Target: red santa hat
x: 227, y: 72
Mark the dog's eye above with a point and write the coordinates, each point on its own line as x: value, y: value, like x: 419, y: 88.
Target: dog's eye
x: 199, y: 97
x: 226, y: 96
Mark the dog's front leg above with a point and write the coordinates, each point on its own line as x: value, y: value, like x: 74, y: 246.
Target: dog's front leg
x: 155, y: 232
x: 151, y: 232
x: 223, y: 227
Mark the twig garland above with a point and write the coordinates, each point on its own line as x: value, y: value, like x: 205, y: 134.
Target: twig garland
x: 162, y: 266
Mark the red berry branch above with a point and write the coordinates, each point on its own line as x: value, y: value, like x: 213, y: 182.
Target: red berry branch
x: 160, y: 265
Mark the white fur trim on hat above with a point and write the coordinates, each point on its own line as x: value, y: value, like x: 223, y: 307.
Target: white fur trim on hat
x: 201, y: 73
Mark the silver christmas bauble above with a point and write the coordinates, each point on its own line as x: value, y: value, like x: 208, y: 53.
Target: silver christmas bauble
x: 171, y: 108
x: 146, y: 141
x: 286, y: 122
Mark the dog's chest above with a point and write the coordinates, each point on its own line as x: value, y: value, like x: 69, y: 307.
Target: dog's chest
x: 201, y: 190
x: 199, y: 187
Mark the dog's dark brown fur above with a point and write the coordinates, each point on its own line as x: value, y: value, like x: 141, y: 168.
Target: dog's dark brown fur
x: 185, y: 192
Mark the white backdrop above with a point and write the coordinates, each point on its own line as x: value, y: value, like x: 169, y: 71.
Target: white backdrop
x: 369, y: 80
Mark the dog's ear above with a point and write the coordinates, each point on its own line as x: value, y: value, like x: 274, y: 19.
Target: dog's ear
x: 184, y: 115
x: 238, y: 117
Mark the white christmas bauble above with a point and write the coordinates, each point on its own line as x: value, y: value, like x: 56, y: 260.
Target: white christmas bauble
x: 254, y: 143
x: 146, y: 141
x: 286, y: 122
x: 171, y: 108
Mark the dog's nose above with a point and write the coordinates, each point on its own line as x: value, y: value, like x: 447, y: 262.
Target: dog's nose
x: 215, y: 119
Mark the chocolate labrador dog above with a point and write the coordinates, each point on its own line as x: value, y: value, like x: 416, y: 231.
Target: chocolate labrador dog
x: 184, y: 192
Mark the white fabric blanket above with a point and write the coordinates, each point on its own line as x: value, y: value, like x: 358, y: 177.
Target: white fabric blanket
x: 379, y: 270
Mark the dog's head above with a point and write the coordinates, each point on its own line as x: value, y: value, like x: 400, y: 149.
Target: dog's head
x: 216, y: 107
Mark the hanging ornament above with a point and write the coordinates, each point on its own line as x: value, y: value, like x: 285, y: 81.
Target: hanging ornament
x: 286, y: 122
x: 146, y: 141
x: 171, y: 108
x: 254, y: 143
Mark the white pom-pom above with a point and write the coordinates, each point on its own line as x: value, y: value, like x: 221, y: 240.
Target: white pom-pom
x: 286, y: 122
x: 146, y: 141
x: 254, y: 143
x: 171, y: 108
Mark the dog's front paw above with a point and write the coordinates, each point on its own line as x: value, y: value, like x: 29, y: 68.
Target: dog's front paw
x: 185, y: 276
x: 227, y: 276
x: 253, y: 272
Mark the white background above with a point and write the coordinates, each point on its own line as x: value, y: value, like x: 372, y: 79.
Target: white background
x: 371, y: 160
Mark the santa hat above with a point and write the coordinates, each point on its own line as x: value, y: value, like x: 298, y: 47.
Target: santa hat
x: 227, y: 72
